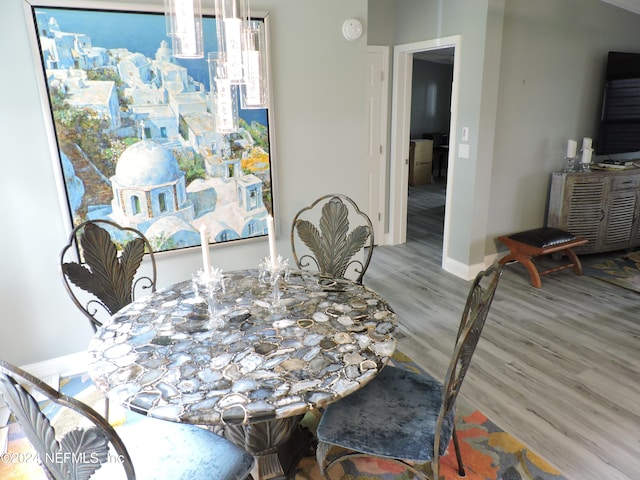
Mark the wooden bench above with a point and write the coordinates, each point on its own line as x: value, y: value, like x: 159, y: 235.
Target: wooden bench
x: 524, y: 246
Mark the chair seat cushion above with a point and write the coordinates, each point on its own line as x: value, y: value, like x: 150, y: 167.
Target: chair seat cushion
x: 393, y: 416
x: 172, y: 451
x: 543, y: 237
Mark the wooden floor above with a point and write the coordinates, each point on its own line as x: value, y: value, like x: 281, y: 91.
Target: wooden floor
x: 557, y: 367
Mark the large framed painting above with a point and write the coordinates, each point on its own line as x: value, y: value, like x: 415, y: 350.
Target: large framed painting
x: 131, y: 127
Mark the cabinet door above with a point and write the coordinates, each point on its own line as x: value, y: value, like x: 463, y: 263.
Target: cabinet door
x: 584, y: 210
x: 620, y: 213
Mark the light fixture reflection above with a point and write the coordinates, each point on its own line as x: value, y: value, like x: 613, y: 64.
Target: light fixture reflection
x: 184, y: 26
x: 231, y: 17
x: 237, y: 71
x: 254, y: 90
x: 223, y: 94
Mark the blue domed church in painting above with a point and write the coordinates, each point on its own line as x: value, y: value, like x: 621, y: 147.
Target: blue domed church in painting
x: 148, y: 185
x: 151, y: 195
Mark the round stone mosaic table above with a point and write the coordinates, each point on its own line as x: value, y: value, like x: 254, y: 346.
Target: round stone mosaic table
x: 258, y: 372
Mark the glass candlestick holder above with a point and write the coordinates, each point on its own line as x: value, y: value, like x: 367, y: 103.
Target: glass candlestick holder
x: 586, y: 156
x: 206, y: 287
x: 570, y: 164
x: 271, y: 271
x: 585, y: 167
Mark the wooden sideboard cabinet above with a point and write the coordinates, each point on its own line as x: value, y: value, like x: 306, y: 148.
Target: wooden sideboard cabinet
x: 602, y: 206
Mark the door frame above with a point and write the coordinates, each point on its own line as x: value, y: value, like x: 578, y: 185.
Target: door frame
x: 400, y: 135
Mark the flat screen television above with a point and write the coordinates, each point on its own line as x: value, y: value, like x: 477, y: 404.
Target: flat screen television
x: 619, y: 129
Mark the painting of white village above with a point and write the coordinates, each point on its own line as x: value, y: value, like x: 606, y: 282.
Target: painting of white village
x: 135, y: 132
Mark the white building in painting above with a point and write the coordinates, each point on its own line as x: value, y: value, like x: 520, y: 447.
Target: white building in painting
x: 148, y: 185
x: 62, y: 50
x: 149, y: 193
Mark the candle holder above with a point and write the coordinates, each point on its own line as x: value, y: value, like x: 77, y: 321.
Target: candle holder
x: 206, y: 287
x: 586, y: 157
x: 271, y: 271
x: 570, y: 165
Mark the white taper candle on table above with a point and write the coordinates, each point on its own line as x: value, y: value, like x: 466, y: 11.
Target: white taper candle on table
x: 586, y: 155
x: 204, y: 242
x: 272, y: 239
x: 572, y: 146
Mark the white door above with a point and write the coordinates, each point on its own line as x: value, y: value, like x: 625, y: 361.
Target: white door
x: 377, y: 111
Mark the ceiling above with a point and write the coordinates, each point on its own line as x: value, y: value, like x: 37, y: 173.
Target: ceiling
x: 631, y: 5
x: 440, y: 55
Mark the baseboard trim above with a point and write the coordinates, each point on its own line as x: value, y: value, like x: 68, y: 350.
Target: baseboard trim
x: 462, y: 270
x: 468, y: 272
x: 65, y: 365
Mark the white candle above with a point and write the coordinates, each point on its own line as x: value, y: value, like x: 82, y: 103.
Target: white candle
x: 272, y: 238
x: 572, y: 146
x: 586, y: 155
x: 586, y: 143
x: 204, y: 243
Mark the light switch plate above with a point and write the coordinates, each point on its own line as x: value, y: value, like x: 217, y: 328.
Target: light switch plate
x: 465, y: 134
x: 463, y: 150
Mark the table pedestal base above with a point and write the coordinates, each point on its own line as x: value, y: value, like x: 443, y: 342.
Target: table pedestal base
x: 277, y: 445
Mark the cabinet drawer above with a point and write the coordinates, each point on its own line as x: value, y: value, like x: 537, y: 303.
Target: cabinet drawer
x: 625, y: 182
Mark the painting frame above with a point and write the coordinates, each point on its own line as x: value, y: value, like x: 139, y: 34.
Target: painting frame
x: 154, y: 116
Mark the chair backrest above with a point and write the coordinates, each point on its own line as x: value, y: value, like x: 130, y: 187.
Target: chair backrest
x: 473, y: 320
x: 333, y: 236
x: 104, y: 274
x: 78, y: 453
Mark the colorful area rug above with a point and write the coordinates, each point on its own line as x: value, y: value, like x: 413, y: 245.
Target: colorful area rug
x: 623, y: 271
x: 488, y: 452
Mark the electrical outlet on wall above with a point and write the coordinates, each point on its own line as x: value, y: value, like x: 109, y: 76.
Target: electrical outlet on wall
x: 463, y: 150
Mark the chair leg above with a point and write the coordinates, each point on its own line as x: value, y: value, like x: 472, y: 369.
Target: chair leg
x: 527, y: 263
x: 456, y: 446
x: 573, y: 258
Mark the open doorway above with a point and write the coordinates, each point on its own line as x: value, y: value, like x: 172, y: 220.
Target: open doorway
x: 444, y: 48
x: 430, y: 121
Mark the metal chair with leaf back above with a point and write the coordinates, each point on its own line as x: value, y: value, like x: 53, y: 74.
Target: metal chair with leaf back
x: 84, y: 445
x: 105, y: 273
x: 404, y: 416
x: 321, y: 237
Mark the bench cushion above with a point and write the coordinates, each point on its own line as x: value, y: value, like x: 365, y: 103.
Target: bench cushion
x: 543, y: 237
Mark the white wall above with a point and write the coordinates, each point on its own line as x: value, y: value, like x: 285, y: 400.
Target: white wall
x: 531, y: 78
x: 421, y: 20
x: 319, y: 107
x: 551, y: 79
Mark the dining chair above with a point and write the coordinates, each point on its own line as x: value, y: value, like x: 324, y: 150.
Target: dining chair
x: 334, y: 237
x: 404, y: 416
x: 143, y: 447
x: 440, y: 150
x: 100, y: 268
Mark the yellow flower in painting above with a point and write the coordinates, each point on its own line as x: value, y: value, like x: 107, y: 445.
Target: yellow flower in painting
x: 509, y: 444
